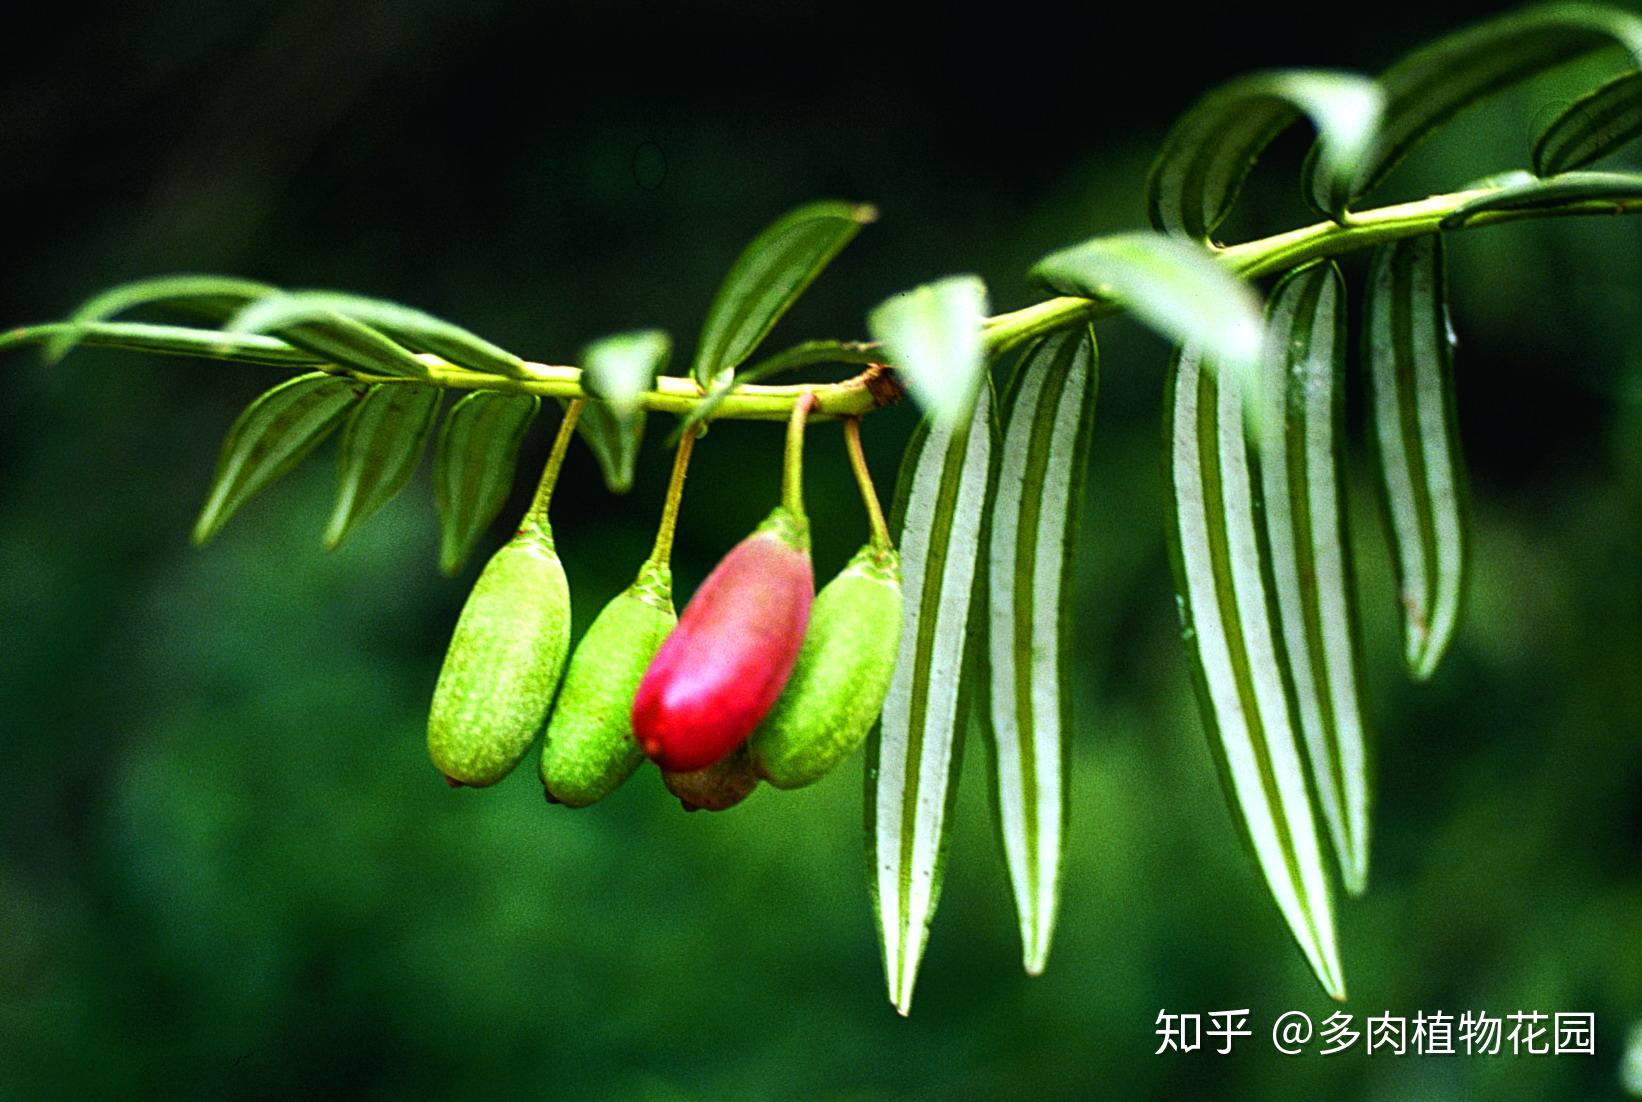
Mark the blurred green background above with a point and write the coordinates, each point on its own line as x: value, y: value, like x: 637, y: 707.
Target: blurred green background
x: 226, y: 867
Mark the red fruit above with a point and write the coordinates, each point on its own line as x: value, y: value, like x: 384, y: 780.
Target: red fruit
x: 728, y: 659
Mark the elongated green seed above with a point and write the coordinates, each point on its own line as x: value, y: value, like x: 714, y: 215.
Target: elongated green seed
x: 590, y: 749
x: 718, y: 787
x: 504, y: 662
x: 842, y: 675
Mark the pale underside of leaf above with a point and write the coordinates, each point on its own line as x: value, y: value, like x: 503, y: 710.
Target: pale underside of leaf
x: 1303, y: 494
x: 1034, y: 520
x: 768, y: 277
x: 1175, y: 286
x: 274, y: 433
x: 1410, y: 357
x: 933, y: 335
x: 1209, y: 152
x: 1431, y: 85
x: 1227, y: 618
x: 473, y: 466
x: 383, y: 440
x: 617, y: 371
x: 1592, y: 126
x: 914, y: 755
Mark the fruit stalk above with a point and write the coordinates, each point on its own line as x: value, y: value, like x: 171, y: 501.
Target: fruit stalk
x: 863, y: 479
x: 723, y: 667
x: 590, y: 749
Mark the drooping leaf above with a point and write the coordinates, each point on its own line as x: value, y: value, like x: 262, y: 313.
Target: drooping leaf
x: 1599, y: 189
x: 1303, y: 494
x: 380, y: 446
x: 933, y: 335
x: 1228, y: 619
x: 913, y: 756
x: 1050, y: 407
x: 1174, y: 286
x: 272, y: 435
x: 1592, y: 126
x: 1208, y: 154
x: 1434, y: 83
x: 406, y: 325
x: 615, y: 444
x: 211, y: 296
x: 335, y: 337
x: 1416, y: 440
x: 767, y: 279
x: 473, y: 466
x: 174, y: 340
x: 618, y: 371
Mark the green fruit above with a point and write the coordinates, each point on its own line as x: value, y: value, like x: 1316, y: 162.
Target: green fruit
x: 504, y: 662
x: 590, y: 748
x: 718, y: 787
x: 843, y: 673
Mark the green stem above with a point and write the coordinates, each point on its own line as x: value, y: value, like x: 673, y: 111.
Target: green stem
x: 555, y: 460
x: 1280, y: 252
x: 662, y: 554
x: 792, y: 470
x: 876, y: 386
x: 863, y: 478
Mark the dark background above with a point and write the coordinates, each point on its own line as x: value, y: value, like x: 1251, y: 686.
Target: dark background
x: 225, y: 865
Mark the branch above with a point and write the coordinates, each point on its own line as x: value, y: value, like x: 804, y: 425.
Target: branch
x: 877, y: 386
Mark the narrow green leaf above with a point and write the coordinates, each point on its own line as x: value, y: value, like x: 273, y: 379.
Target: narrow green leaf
x: 1049, y: 420
x: 1600, y: 188
x: 933, y: 336
x: 1434, y: 83
x: 614, y: 443
x: 913, y: 757
x: 211, y: 296
x: 1593, y: 126
x: 339, y: 339
x: 272, y: 435
x: 617, y: 371
x: 1303, y: 493
x: 1416, y: 440
x: 1174, y: 286
x: 1208, y: 154
x: 473, y: 466
x: 405, y: 324
x: 380, y: 447
x: 175, y: 340
x: 767, y: 279
x: 1228, y: 621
